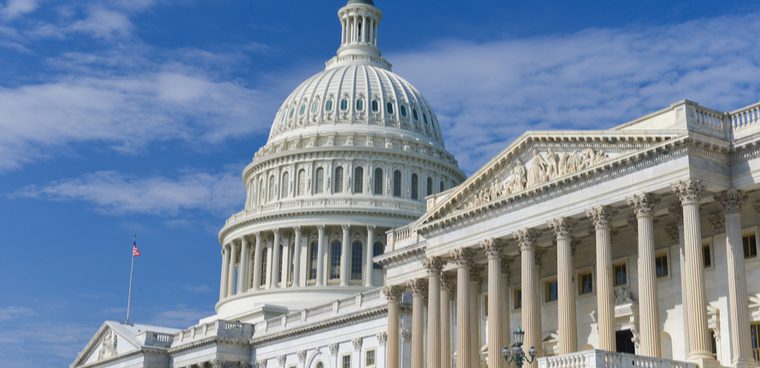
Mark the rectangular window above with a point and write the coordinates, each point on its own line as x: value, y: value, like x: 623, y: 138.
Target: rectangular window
x: 621, y: 274
x: 585, y: 283
x: 485, y: 305
x: 755, y: 332
x: 750, y: 245
x: 661, y: 265
x: 517, y: 298
x: 369, y: 359
x: 713, y: 345
x: 346, y: 361
x: 551, y: 293
x: 706, y: 254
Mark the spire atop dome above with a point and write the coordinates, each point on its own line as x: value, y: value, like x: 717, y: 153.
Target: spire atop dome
x: 359, y: 20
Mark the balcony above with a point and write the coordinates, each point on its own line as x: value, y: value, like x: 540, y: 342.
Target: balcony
x: 607, y: 359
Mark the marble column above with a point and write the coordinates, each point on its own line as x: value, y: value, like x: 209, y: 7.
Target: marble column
x: 676, y: 235
x: 345, y: 256
x: 690, y: 192
x: 741, y: 345
x: 475, y: 281
x: 463, y: 259
x: 447, y: 286
x: 649, y: 311
x: 492, y: 250
x: 231, y: 269
x: 257, y: 259
x: 321, y: 255
x: 245, y: 254
x: 369, y: 250
x: 225, y: 272
x: 531, y: 297
x: 276, y: 254
x: 285, y: 266
x: 297, y: 256
x: 393, y: 295
x: 268, y: 274
x: 505, y: 327
x: 605, y: 305
x: 418, y: 288
x: 568, y: 335
x: 434, y: 265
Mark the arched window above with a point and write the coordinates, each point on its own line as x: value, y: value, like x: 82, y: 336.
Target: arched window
x: 360, y: 104
x: 344, y: 104
x: 263, y: 275
x: 272, y: 188
x: 301, y: 179
x: 292, y: 112
x: 329, y: 105
x: 429, y: 185
x: 397, y: 183
x: 338, y: 180
x: 278, y: 276
x: 359, y: 179
x: 441, y: 186
x: 313, y: 255
x: 389, y: 107
x: 319, y: 181
x: 415, y: 187
x: 375, y: 106
x: 377, y: 249
x: 378, y: 185
x: 402, y: 108
x: 356, y: 260
x: 302, y: 110
x: 415, y: 115
x: 335, y: 250
x: 285, y: 184
x: 315, y: 106
x: 320, y: 365
x: 262, y: 192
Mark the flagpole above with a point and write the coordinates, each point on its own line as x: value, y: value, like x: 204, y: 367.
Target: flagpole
x: 131, y: 270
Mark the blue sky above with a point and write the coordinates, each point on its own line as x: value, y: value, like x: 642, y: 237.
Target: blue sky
x: 122, y: 117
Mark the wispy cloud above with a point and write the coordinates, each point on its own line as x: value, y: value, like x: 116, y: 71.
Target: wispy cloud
x: 116, y: 193
x: 19, y: 344
x: 16, y: 8
x: 487, y: 93
x: 180, y: 316
x: 13, y: 312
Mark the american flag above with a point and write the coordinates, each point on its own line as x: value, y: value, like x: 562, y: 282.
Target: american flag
x: 135, y: 250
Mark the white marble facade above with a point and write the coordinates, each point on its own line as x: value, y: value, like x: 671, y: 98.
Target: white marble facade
x: 361, y: 244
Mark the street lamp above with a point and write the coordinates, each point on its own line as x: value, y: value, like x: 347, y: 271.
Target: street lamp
x: 515, y: 354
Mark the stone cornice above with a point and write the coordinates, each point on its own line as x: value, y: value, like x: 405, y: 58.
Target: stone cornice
x: 211, y: 340
x: 401, y: 254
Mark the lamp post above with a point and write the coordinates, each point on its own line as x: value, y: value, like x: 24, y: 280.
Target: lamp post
x: 515, y: 354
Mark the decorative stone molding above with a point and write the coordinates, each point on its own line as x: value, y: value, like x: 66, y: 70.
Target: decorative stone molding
x: 417, y: 286
x: 601, y: 216
x: 491, y: 247
x: 526, y: 238
x: 260, y: 364
x: 718, y: 221
x: 218, y: 363
x: 281, y: 360
x: 301, y: 356
x: 108, y: 346
x: 333, y: 348
x: 642, y: 204
x: 561, y: 226
x: 357, y: 343
x: 731, y: 200
x: 462, y: 256
x: 448, y: 282
x: 382, y: 338
x: 674, y: 233
x: 689, y: 191
x: 406, y: 335
x: 475, y: 275
x: 433, y: 265
x: 623, y: 296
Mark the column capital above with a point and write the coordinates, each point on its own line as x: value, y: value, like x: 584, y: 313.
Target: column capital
x: 676, y: 211
x: 475, y: 275
x: 406, y: 335
x: 674, y: 232
x: 562, y: 226
x: 357, y: 343
x: 448, y: 282
x: 345, y: 227
x: 731, y: 200
x: 382, y: 338
x: 276, y: 231
x: 244, y: 240
x: 433, y: 265
x: 526, y: 238
x: 297, y: 229
x: 642, y: 204
x: 718, y: 222
x: 601, y: 216
x: 492, y: 247
x: 392, y: 293
x: 505, y: 265
x: 689, y: 191
x: 371, y: 228
x: 321, y: 229
x: 258, y: 236
x: 333, y: 348
x: 417, y: 286
x: 301, y: 356
x: 462, y: 256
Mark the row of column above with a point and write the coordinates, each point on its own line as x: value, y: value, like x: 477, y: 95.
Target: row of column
x: 236, y: 276
x: 689, y: 194
x: 359, y: 30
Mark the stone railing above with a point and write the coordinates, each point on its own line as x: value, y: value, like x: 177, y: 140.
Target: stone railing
x: 607, y: 359
x: 218, y: 328
x: 708, y: 121
x: 157, y: 339
x: 402, y: 237
x: 745, y: 120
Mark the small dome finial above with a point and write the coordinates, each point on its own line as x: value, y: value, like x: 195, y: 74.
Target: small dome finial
x: 366, y: 2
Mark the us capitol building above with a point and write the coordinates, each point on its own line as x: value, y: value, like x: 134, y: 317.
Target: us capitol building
x: 362, y: 244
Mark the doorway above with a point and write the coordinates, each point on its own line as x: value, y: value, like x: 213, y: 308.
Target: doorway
x: 624, y: 342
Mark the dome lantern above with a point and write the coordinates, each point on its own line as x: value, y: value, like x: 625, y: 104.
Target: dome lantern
x: 359, y: 20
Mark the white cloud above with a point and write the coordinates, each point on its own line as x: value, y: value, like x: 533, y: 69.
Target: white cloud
x: 13, y: 312
x: 104, y: 23
x: 180, y: 316
x: 16, y: 8
x: 19, y: 344
x: 116, y: 193
x: 485, y: 94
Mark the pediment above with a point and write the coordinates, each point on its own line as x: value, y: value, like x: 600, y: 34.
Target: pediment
x: 538, y: 160
x: 109, y: 342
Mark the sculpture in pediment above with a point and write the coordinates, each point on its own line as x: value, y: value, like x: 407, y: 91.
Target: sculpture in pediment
x: 108, y: 346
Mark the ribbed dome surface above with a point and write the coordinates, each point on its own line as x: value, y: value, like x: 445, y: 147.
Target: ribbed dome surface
x: 356, y: 94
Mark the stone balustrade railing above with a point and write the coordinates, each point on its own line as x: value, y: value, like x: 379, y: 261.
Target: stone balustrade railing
x: 709, y: 121
x: 607, y: 359
x: 402, y: 237
x: 219, y: 328
x: 158, y: 339
x: 745, y: 119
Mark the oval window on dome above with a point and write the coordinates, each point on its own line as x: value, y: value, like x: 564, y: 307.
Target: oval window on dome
x: 328, y: 105
x: 314, y: 106
x: 414, y: 114
x: 360, y: 104
x: 389, y: 107
x: 375, y: 106
x: 343, y: 105
x: 292, y: 112
x: 302, y: 110
x: 403, y: 110
x: 424, y: 117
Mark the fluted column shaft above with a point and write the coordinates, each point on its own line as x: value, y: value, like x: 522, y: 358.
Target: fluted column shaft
x: 495, y: 303
x: 268, y: 274
x: 345, y: 256
x: 475, y: 280
x: 690, y: 193
x: 504, y: 311
x: 245, y: 254
x: 275, y: 271
x: 321, y: 256
x: 445, y: 324
x: 568, y: 340
x: 649, y: 312
x: 463, y: 259
x: 297, y: 256
x: 257, y: 259
x: 419, y: 289
x: 434, y: 266
x: 368, y: 256
x: 600, y: 216
x: 225, y: 272
x: 531, y: 317
x: 393, y: 295
x: 231, y: 269
x: 741, y: 352
x: 285, y: 267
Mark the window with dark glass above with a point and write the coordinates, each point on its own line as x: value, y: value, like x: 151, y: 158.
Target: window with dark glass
x: 389, y: 107
x: 441, y: 186
x: 402, y: 108
x: 329, y: 105
x: 585, y: 283
x: 377, y: 249
x: 755, y: 337
x: 375, y: 106
x: 338, y: 180
x: 302, y: 110
x: 749, y: 241
x: 661, y: 265
x: 346, y: 361
x: 335, y: 250
x: 360, y: 105
x: 343, y: 105
x: 517, y: 298
x: 621, y: 274
x: 319, y: 181
x: 313, y: 255
x: 429, y: 186
x: 359, y: 179
x: 414, y: 115
x: 357, y: 256
x: 397, y: 183
x: 415, y: 186
x: 706, y: 255
x: 378, y: 185
x: 369, y: 359
x: 551, y: 293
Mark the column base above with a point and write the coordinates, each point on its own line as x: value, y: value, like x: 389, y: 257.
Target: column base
x: 744, y: 363
x: 704, y: 360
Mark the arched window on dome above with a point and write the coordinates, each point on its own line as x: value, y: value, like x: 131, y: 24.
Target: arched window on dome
x: 315, y: 107
x: 261, y: 193
x: 415, y: 115
x: 375, y: 105
x: 272, y: 188
x: 429, y: 186
x: 415, y: 187
x: 344, y: 104
x: 378, y: 185
x: 313, y: 255
x: 301, y: 179
x: 335, y: 250
x: 359, y: 180
x: 302, y: 110
x: 397, y: 183
x: 329, y: 105
x: 377, y: 249
x: 285, y: 185
x: 319, y: 181
x: 338, y: 180
x: 292, y: 112
x: 360, y: 104
x: 357, y: 259
x: 402, y: 108
x: 389, y: 107
x: 320, y: 365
